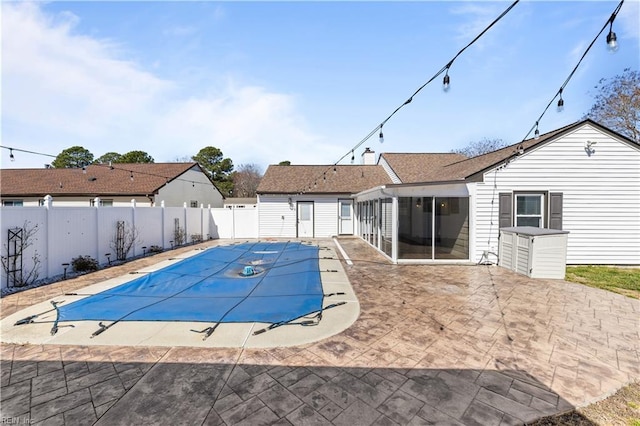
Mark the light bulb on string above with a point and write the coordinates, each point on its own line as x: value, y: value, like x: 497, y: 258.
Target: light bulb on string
x: 335, y: 170
x: 536, y: 134
x: 353, y: 157
x: 381, y: 136
x: 131, y: 176
x: 612, y: 40
x: 11, y: 156
x: 446, y: 80
x: 560, y: 102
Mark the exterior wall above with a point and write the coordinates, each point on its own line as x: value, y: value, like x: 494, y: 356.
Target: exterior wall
x: 182, y: 190
x: 277, y: 217
x: 601, y: 196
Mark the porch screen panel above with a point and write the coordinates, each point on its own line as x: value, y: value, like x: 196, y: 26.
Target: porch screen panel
x: 415, y: 216
x: 386, y: 222
x: 452, y: 228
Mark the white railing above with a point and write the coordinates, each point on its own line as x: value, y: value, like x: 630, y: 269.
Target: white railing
x: 63, y: 233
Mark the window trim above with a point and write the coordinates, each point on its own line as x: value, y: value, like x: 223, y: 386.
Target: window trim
x: 542, y: 195
x: 12, y: 203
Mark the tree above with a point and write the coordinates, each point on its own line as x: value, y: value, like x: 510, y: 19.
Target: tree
x: 135, y: 157
x: 73, y: 157
x: 483, y: 146
x: 109, y: 157
x: 246, y: 180
x: 617, y: 104
x: 219, y: 168
x: 211, y: 160
x: 284, y: 163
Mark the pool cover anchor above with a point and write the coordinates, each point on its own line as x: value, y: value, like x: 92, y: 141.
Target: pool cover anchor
x: 207, y: 331
x: 30, y: 318
x: 315, y: 320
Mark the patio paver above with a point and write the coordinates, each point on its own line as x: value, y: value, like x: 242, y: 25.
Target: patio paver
x: 442, y: 344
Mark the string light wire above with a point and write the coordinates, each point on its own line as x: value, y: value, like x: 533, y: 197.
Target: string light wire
x: 419, y: 89
x: 571, y: 74
x: 110, y: 166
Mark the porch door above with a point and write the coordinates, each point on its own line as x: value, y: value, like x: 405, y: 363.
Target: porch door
x: 305, y: 219
x: 345, y: 217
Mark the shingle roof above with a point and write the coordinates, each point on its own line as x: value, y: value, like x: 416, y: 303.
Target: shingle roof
x: 408, y: 166
x: 347, y: 179
x: 419, y: 167
x: 148, y: 178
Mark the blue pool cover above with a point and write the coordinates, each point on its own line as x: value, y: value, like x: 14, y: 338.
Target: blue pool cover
x: 211, y: 287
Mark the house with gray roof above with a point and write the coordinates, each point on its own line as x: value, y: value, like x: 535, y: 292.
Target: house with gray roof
x: 414, y: 207
x: 149, y: 184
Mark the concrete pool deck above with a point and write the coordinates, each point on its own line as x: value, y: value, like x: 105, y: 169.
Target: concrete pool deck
x: 432, y: 345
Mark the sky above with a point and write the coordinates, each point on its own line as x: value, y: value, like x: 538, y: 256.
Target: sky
x: 300, y: 81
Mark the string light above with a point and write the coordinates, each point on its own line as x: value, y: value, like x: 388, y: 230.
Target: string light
x: 446, y: 80
x: 11, y: 156
x: 335, y: 170
x: 353, y: 157
x: 560, y: 102
x: 537, y: 132
x: 612, y: 40
x: 131, y: 176
x: 381, y: 136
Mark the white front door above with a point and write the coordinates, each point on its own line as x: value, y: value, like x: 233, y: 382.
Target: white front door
x: 345, y: 217
x: 305, y: 219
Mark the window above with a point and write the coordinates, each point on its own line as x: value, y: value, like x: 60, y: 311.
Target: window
x: 103, y: 203
x: 194, y: 203
x: 529, y: 208
x: 12, y: 203
x: 345, y: 209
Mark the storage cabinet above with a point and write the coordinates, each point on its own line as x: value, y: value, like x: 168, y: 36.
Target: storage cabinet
x: 534, y: 252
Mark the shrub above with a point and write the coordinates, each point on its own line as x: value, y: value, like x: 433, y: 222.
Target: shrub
x: 84, y: 264
x: 155, y: 249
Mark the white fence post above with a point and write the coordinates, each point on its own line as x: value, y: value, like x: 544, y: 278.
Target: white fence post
x: 133, y: 225
x: 163, y: 235
x: 48, y: 203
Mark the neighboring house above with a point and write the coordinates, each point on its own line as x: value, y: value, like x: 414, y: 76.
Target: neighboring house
x: 582, y: 178
x: 326, y: 206
x: 149, y: 184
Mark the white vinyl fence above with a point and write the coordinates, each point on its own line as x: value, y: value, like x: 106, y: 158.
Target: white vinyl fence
x: 60, y: 234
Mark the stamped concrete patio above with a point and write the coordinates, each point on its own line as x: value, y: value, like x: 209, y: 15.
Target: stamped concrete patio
x: 433, y: 345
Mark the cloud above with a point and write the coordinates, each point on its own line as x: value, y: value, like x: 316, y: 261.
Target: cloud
x: 628, y: 19
x: 63, y: 89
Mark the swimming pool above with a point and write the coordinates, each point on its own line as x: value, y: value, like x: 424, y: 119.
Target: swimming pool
x: 182, y: 300
x: 213, y: 287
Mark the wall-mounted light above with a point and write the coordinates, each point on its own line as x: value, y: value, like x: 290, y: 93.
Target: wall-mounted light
x: 419, y: 202
x: 588, y: 147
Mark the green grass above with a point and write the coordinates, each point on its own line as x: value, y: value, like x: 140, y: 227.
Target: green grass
x: 619, y: 280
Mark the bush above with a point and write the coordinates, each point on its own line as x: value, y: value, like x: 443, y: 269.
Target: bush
x: 155, y: 249
x: 84, y: 264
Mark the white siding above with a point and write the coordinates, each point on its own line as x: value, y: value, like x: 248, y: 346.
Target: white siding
x: 277, y: 218
x: 326, y: 217
x: 387, y: 168
x: 601, y: 196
